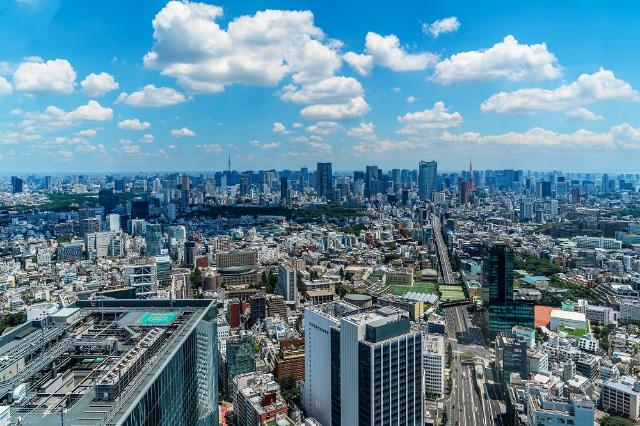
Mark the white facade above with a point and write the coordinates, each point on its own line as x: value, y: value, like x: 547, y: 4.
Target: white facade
x: 287, y: 285
x: 113, y: 220
x: 433, y: 362
x: 621, y: 398
x: 318, y: 321
x: 575, y: 320
x: 588, y: 343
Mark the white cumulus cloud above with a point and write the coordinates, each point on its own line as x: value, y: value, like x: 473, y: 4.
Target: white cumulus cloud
x: 278, y: 128
x: 147, y: 138
x: 386, y: 51
x: 333, y: 98
x: 54, y: 118
x: 364, y: 131
x: 211, y: 148
x: 259, y: 49
x: 360, y: 62
x: 184, y: 132
x: 98, y: 84
x: 56, y: 75
x: 588, y: 88
x: 152, y: 96
x: 582, y: 114
x: 441, y: 26
x: 438, y: 117
x: 507, y: 59
x: 354, y: 108
x: 5, y: 87
x: 134, y: 124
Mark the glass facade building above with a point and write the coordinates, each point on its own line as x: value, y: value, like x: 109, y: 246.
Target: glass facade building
x: 184, y: 389
x: 497, y: 292
x: 241, y: 357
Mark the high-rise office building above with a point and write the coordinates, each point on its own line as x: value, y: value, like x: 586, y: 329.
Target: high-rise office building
x: 284, y: 191
x: 464, y: 193
x: 153, y: 239
x: 433, y: 361
x: 185, y: 183
x: 139, y: 209
x: 427, y: 173
x: 240, y: 357
x: 163, y: 270
x: 497, y: 292
x: 362, y: 367
x: 113, y: 221
x: 244, y: 186
x: 16, y: 184
x: 165, y: 372
x: 190, y: 253
x: 89, y: 225
x: 106, y: 199
x: 287, y: 285
x: 324, y: 180
x: 511, y: 356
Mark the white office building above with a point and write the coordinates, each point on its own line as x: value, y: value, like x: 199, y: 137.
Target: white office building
x: 316, y: 390
x: 621, y: 397
x: 113, y: 220
x: 362, y: 366
x: 433, y: 363
x: 287, y: 285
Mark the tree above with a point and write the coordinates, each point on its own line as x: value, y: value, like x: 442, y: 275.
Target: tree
x: 196, y: 279
x: 340, y: 290
x: 445, y: 417
x: 269, y: 281
x: 615, y: 421
x: 313, y: 275
x: 12, y: 320
x: 288, y: 387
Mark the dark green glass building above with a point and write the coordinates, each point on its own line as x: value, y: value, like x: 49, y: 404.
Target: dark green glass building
x: 497, y: 292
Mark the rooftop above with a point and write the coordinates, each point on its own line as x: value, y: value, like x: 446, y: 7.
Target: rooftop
x: 104, y: 360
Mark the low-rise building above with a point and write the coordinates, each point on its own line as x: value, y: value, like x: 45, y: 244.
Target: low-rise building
x: 621, y: 398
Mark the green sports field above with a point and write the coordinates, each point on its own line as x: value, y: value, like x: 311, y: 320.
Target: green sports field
x: 418, y: 287
x: 450, y: 293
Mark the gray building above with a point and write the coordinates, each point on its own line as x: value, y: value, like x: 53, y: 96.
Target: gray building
x: 427, y: 173
x: 120, y: 362
x: 324, y: 180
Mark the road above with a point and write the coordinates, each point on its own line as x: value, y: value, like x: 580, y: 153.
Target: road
x: 443, y: 255
x: 474, y: 399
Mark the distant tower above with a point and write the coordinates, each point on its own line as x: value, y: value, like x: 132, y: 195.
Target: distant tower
x: 229, y: 164
x: 471, y: 183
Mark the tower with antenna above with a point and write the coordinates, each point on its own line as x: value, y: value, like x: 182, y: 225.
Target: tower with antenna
x: 229, y: 164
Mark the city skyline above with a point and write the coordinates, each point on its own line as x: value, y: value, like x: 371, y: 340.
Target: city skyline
x: 180, y: 86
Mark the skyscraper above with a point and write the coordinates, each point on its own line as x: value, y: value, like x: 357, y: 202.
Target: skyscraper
x: 354, y: 358
x: 284, y: 191
x: 139, y: 209
x: 324, y: 176
x: 153, y: 238
x: 497, y: 292
x: 464, y: 195
x: 427, y: 172
x: 287, y: 285
x: 16, y: 184
x: 106, y: 199
x: 240, y: 357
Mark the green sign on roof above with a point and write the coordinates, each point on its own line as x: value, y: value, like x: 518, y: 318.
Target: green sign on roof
x: 157, y: 319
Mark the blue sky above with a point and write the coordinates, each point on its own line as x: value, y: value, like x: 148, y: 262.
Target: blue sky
x: 157, y: 85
